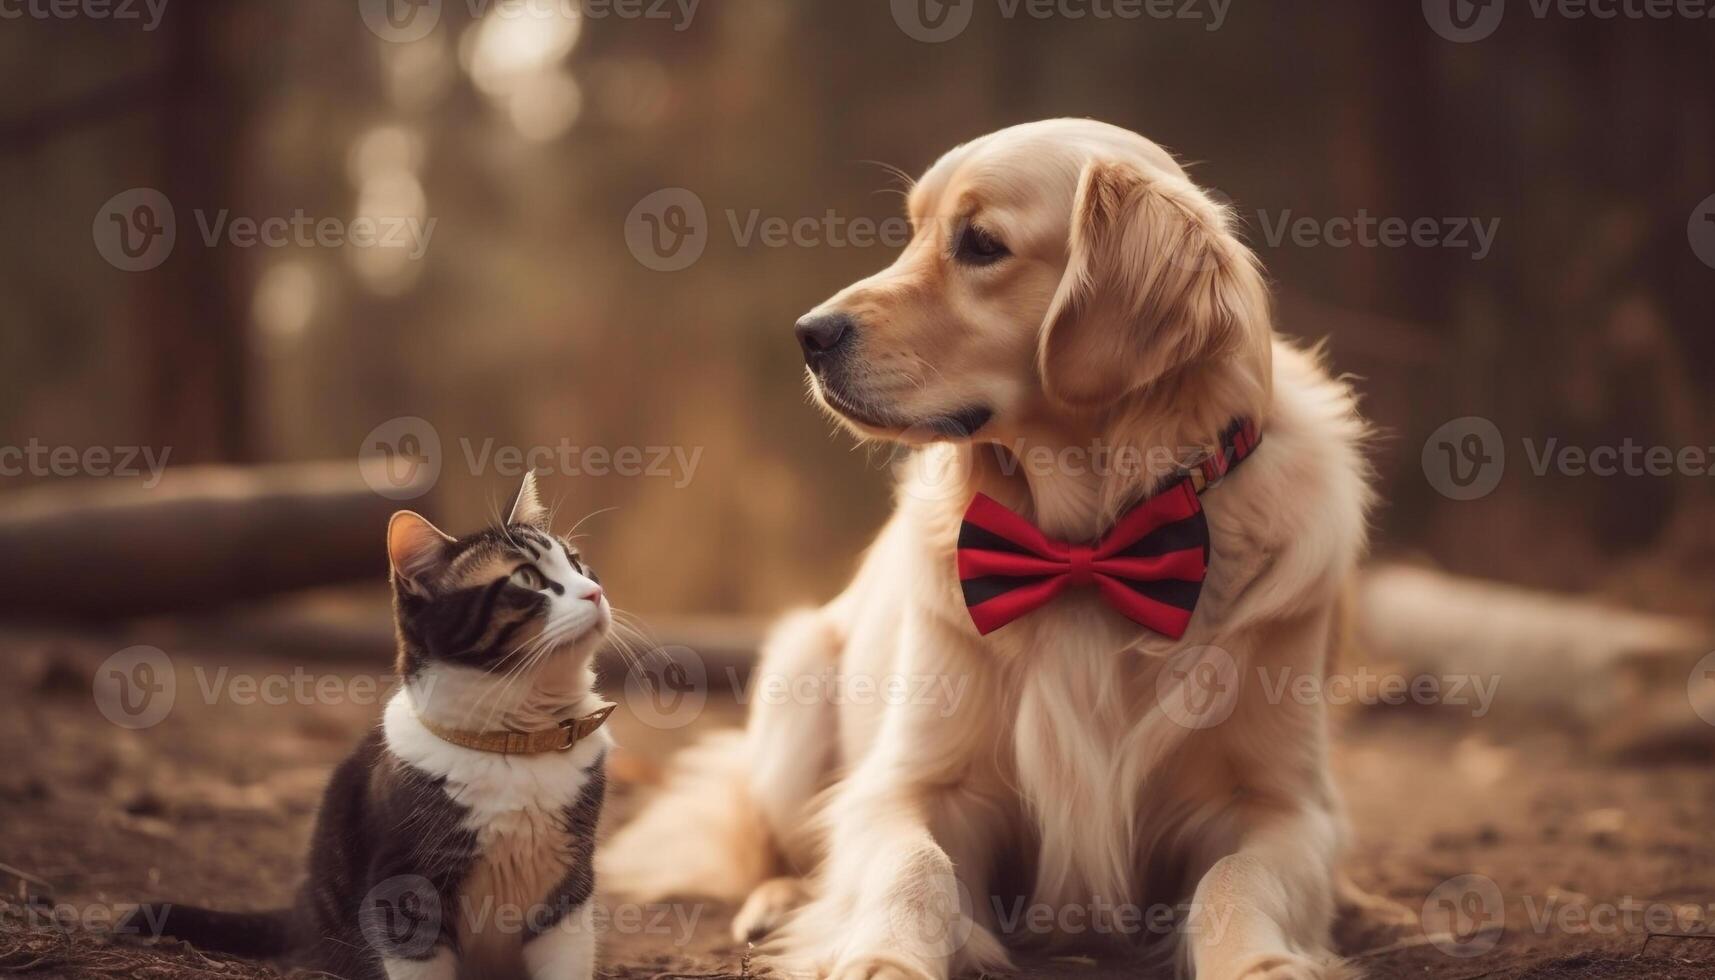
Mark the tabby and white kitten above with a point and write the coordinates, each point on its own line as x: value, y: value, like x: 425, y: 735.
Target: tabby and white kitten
x: 457, y: 840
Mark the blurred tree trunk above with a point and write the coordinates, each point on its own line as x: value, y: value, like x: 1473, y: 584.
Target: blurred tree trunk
x: 192, y: 314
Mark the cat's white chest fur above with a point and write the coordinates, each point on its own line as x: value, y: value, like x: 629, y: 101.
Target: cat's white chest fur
x: 517, y: 810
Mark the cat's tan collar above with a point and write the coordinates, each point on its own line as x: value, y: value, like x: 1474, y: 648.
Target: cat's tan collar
x: 557, y: 739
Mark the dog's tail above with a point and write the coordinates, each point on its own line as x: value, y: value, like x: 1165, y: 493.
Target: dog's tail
x: 699, y: 835
x: 258, y: 935
x: 1552, y: 651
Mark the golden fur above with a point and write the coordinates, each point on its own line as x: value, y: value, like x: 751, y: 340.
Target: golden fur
x: 1128, y: 316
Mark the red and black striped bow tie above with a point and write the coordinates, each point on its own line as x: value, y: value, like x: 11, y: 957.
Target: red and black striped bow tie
x: 1150, y: 566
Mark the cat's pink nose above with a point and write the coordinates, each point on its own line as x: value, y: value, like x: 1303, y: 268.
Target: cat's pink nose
x: 594, y: 594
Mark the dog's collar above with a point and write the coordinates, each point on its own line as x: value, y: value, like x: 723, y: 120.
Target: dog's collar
x: 1237, y: 441
x: 557, y: 739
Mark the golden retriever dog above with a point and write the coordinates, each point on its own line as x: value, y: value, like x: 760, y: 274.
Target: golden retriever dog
x: 1073, y: 319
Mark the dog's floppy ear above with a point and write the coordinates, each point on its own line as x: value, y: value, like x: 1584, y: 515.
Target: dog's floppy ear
x: 1154, y: 280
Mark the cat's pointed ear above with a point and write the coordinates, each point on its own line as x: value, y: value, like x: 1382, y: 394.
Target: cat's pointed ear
x: 416, y: 549
x: 527, y: 509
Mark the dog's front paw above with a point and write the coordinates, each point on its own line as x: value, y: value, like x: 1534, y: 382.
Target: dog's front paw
x: 767, y: 907
x: 1288, y: 966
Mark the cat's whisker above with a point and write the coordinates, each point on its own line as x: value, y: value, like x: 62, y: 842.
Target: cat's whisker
x: 498, y: 690
x: 634, y: 634
x: 538, y: 647
x: 593, y: 513
x: 634, y: 637
x: 627, y: 645
x: 633, y: 627
x: 528, y: 665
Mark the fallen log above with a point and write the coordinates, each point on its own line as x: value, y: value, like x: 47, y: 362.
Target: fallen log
x: 204, y: 537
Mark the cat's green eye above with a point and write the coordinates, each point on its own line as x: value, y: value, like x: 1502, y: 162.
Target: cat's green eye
x: 526, y: 576
x: 582, y: 568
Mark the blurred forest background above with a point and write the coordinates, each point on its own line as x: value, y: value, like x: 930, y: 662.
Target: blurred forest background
x: 528, y: 133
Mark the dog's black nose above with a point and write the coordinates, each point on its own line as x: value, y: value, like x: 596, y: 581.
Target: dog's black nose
x: 820, y: 334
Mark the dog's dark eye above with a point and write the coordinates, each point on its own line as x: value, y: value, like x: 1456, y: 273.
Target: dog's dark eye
x: 977, y: 247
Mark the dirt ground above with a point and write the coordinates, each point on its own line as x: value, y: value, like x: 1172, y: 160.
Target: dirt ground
x: 1589, y: 852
